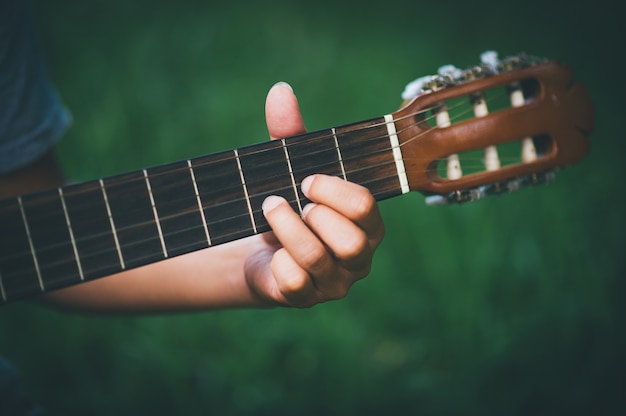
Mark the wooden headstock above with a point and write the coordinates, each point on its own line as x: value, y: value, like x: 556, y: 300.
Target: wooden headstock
x: 540, y: 105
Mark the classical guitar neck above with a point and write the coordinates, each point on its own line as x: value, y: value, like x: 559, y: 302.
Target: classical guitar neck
x: 65, y: 236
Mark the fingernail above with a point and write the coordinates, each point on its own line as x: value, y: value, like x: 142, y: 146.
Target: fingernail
x: 270, y: 203
x: 308, y: 207
x: 283, y: 84
x: 306, y: 184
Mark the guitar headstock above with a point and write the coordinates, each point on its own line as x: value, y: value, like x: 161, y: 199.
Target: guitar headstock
x: 492, y: 128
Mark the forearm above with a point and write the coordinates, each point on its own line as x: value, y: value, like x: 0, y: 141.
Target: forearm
x: 208, y: 279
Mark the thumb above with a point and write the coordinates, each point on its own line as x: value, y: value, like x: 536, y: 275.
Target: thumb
x: 282, y: 113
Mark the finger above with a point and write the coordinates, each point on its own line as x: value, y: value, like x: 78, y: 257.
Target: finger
x: 282, y: 112
x: 348, y: 199
x: 293, y: 282
x: 347, y: 242
x: 300, y: 242
x: 284, y: 281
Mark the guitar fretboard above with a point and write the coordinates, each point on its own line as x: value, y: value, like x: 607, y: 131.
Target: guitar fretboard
x: 61, y: 237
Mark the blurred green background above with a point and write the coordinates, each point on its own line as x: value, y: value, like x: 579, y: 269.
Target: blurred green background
x: 513, y: 305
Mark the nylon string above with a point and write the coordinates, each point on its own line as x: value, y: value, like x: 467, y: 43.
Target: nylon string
x: 246, y: 214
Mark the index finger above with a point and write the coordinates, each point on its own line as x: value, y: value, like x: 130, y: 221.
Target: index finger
x: 353, y: 201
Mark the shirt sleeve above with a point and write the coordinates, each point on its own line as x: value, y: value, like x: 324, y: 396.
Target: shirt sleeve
x: 32, y: 117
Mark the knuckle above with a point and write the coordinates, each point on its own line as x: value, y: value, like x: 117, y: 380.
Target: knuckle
x: 359, y: 269
x: 364, y: 204
x: 315, y: 259
x: 294, y: 283
x: 342, y: 290
x: 352, y: 247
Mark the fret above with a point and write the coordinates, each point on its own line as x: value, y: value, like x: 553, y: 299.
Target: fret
x: 224, y: 202
x: 112, y: 223
x: 154, y: 211
x: 293, y: 181
x: 397, y: 153
x: 266, y: 168
x: 50, y: 240
x: 69, y: 228
x: 195, y: 189
x: 17, y: 267
x: 93, y: 229
x: 367, y: 153
x: 136, y: 229
x: 343, y: 169
x: 30, y: 243
x: 315, y: 152
x: 179, y: 209
x: 245, y: 191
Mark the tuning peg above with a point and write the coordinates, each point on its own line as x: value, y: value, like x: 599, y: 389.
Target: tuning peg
x: 450, y: 71
x: 540, y: 178
x: 462, y: 196
x: 416, y: 87
x: 490, y: 58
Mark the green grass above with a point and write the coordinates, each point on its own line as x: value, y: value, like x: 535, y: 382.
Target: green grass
x: 513, y: 305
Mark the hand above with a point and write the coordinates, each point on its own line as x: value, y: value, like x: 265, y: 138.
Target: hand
x: 301, y: 263
x: 309, y: 260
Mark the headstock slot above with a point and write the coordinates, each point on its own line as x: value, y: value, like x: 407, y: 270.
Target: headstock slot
x: 553, y: 116
x: 497, y: 99
x: 510, y: 154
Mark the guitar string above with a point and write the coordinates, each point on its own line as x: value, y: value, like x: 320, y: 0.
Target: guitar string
x: 228, y: 237
x: 360, y: 144
x: 242, y: 232
x: 292, y: 145
x: 193, y: 210
x: 187, y: 211
x: 218, y: 177
x: 246, y: 214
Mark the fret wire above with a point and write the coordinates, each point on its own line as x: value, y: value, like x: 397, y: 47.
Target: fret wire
x: 154, y: 211
x: 303, y: 139
x: 251, y: 230
x: 116, y: 229
x: 245, y: 190
x: 362, y: 128
x: 293, y: 180
x: 117, y: 241
x: 343, y: 169
x: 294, y: 144
x: 191, y: 244
x: 69, y: 227
x: 195, y: 188
x: 247, y: 195
x: 377, y: 138
x: 30, y: 243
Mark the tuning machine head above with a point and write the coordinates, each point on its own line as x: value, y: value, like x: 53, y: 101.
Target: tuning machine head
x: 462, y: 196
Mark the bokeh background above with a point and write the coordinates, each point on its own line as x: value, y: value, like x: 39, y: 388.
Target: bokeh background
x: 513, y: 305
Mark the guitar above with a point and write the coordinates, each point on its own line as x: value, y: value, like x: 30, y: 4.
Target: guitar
x: 461, y: 135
